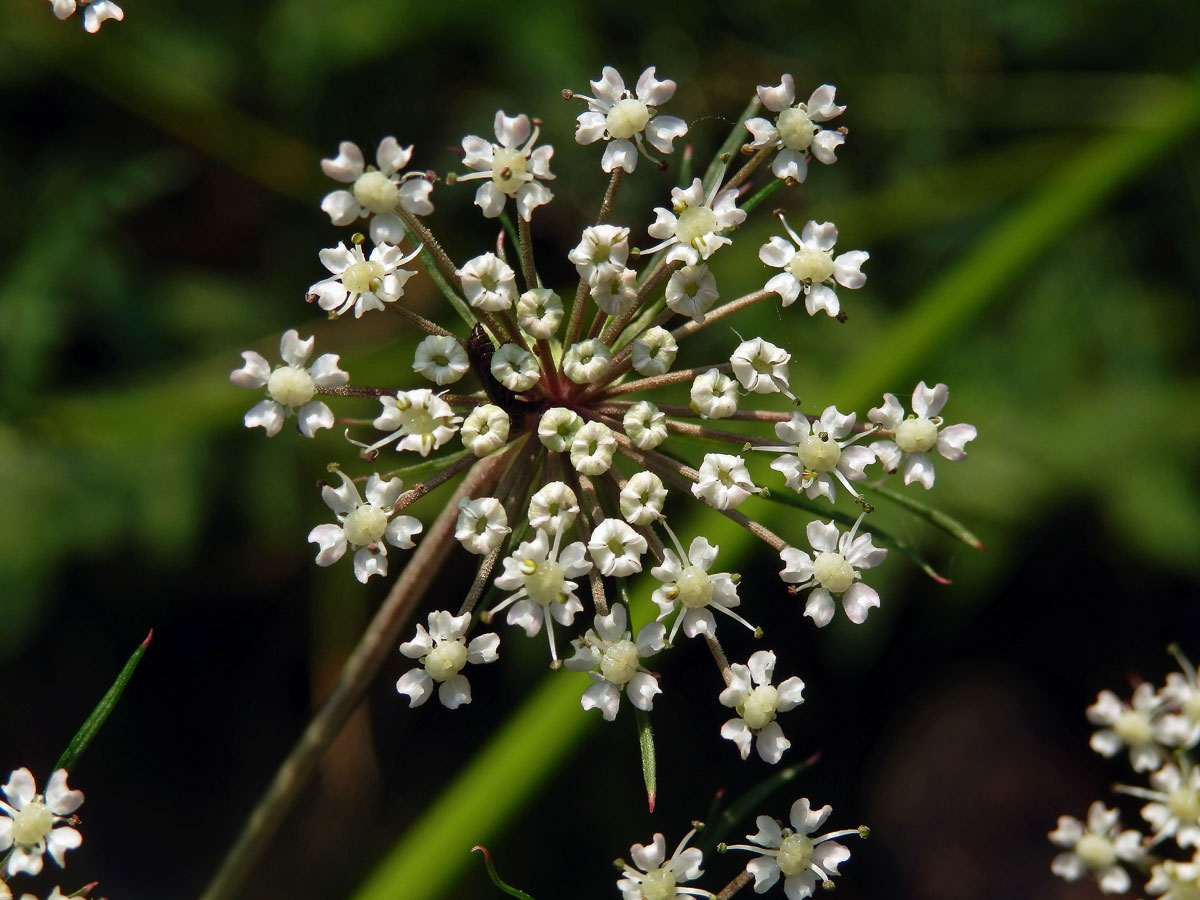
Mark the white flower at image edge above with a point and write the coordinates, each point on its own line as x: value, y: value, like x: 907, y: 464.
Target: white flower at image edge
x: 443, y: 652
x: 95, y: 12
x: 757, y: 701
x: 363, y: 526
x: 32, y: 824
x: 659, y: 880
x: 1097, y: 848
x: 290, y: 387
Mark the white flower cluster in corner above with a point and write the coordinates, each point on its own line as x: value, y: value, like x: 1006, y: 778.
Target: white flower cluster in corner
x: 34, y: 825
x: 95, y: 12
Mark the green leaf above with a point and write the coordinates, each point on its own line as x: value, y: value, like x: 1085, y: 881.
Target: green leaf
x: 715, y: 172
x: 935, y: 517
x: 491, y: 870
x: 649, y: 762
x: 87, y: 732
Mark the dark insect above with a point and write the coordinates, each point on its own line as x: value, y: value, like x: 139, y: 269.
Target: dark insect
x: 479, y: 349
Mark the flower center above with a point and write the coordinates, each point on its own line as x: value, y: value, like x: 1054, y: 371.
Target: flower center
x: 376, y: 192
x: 916, y: 435
x: 694, y: 223
x: 627, y: 118
x: 508, y: 170
x: 1096, y: 851
x: 795, y: 854
x: 1191, y: 706
x: 1134, y: 728
x: 416, y: 420
x: 811, y: 265
x: 363, y: 277
x: 290, y: 386
x: 32, y: 823
x: 446, y: 660
x: 695, y: 590
x: 545, y: 584
x: 1185, y: 889
x: 759, y: 708
x: 365, y: 525
x: 1184, y: 804
x: 833, y: 572
x: 796, y: 129
x: 659, y: 885
x: 819, y: 454
x: 620, y: 662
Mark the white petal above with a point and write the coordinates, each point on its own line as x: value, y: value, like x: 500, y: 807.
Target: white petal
x: 386, y: 228
x: 652, y: 91
x: 589, y: 127
x: 791, y: 164
x: 821, y: 297
x: 417, y: 684
x: 824, y: 145
x: 60, y: 840
x: 401, y: 530
x: 928, y: 401
x: 266, y: 414
x: 859, y: 600
x: 820, y: 235
x: 342, y: 207
x: 950, y: 441
x: 603, y: 696
x: 254, y: 373
x: 391, y: 157
x: 619, y: 154
x: 490, y: 199
x: 738, y: 731
x: 641, y: 689
x: 820, y: 607
x: 313, y: 416
x: 295, y: 352
x: 771, y: 743
x: 846, y: 268
x: 454, y: 692
x: 347, y: 165
x: 918, y: 467
x: 780, y: 97
x: 661, y: 131
x: 483, y: 649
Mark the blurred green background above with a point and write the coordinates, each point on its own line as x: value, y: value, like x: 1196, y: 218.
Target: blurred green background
x: 1026, y: 178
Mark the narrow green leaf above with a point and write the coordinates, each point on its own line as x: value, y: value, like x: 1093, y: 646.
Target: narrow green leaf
x: 649, y: 762
x: 87, y: 731
x: 435, y: 274
x: 935, y: 517
x: 721, y: 823
x: 496, y: 880
x: 766, y: 191
x: 728, y: 150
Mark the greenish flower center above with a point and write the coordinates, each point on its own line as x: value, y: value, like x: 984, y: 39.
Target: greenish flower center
x: 1096, y: 851
x: 32, y: 823
x: 1184, y: 804
x: 627, y: 118
x: 508, y: 170
x: 290, y: 386
x: 832, y: 572
x: 365, y: 525
x: 819, y: 454
x: 695, y: 590
x: 795, y: 854
x: 916, y: 435
x: 620, y: 662
x: 363, y: 277
x: 376, y: 192
x: 545, y: 583
x: 694, y: 223
x: 659, y: 885
x: 759, y: 709
x: 446, y: 660
x: 1134, y: 728
x: 811, y: 265
x: 796, y: 129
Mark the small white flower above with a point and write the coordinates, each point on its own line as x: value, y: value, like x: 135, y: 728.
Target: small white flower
x: 515, y: 368
x: 833, y: 569
x: 485, y: 429
x: 1133, y: 725
x: 691, y: 291
x: 1174, y: 880
x: 654, y: 879
x: 512, y: 167
x: 482, y: 524
x: 1174, y: 810
x: 364, y: 526
x: 376, y: 191
x: 587, y: 361
x: 795, y: 131
x: 32, y: 824
x: 654, y: 351
x: 794, y: 853
x: 628, y: 118
x: 616, y: 548
x: 915, y: 436
x: 538, y: 574
x: 557, y: 427
x: 418, y: 420
x: 601, y: 245
x: 553, y: 507
x: 443, y: 652
x: 688, y: 587
x: 290, y: 387
x: 360, y: 282
x: 724, y: 481
x: 441, y: 358
x: 645, y: 424
x: 95, y: 12
x: 614, y: 663
x: 592, y: 449
x: 540, y: 312
x: 761, y: 367
x: 1098, y: 849
x: 692, y: 227
x: 613, y: 288
x: 642, y: 498
x: 816, y: 453
x: 714, y: 395
x: 809, y: 265
x: 489, y: 283
x: 1180, y: 723
x: 756, y: 701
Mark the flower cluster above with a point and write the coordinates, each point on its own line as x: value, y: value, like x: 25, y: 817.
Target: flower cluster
x: 33, y: 825
x: 95, y: 12
x: 1157, y: 730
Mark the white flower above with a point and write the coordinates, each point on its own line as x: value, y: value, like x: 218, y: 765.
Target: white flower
x: 714, y: 395
x: 1129, y: 725
x: 1098, y: 849
x: 489, y: 283
x: 1174, y: 810
x: 616, y: 548
x: 364, y: 526
x: 95, y: 12
x: 654, y: 351
x: 587, y: 361
x: 761, y: 367
x: 32, y: 824
x: 688, y: 587
x: 360, y: 282
x: 614, y: 663
x: 645, y: 424
x: 613, y: 288
x: 642, y: 498
x: 557, y: 427
x: 512, y: 170
x: 692, y: 227
x: 654, y: 879
x: 441, y: 358
x: 485, y: 429
x: 592, y: 449
x: 794, y: 853
x: 810, y: 266
x: 290, y: 387
x: 443, y: 652
x: 553, y: 507
x: 376, y: 191
x: 617, y: 115
x: 756, y: 700
x: 833, y: 569
x: 724, y: 481
x: 418, y: 420
x: 915, y: 436
x: 538, y: 574
x: 795, y: 131
x: 540, y: 312
x: 1175, y: 880
x: 692, y: 291
x: 601, y: 245
x: 515, y: 368
x: 482, y: 524
x: 816, y: 454
x: 1180, y: 723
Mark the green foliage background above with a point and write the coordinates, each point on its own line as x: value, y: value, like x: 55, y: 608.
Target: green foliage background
x: 1026, y: 178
